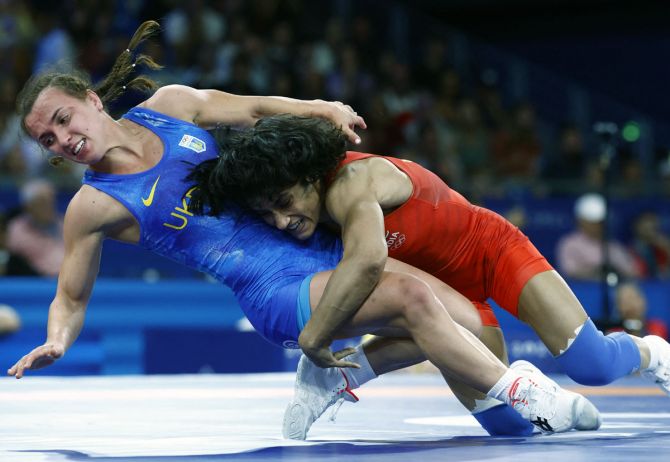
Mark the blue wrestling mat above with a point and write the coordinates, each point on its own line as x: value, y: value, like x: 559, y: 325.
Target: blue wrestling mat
x: 230, y: 417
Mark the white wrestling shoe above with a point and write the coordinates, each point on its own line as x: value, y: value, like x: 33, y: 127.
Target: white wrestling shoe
x: 316, y: 389
x: 660, y: 374
x: 551, y: 411
x: 588, y: 419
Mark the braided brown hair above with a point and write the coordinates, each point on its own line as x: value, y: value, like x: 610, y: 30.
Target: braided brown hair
x: 76, y: 83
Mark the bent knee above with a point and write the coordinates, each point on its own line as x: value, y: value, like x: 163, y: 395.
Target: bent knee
x: 415, y: 296
x: 414, y: 292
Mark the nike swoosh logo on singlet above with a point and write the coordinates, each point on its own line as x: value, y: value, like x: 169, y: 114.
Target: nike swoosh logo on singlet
x: 149, y: 200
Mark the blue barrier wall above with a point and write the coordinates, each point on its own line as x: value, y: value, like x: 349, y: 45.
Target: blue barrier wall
x: 133, y: 327
x: 186, y: 326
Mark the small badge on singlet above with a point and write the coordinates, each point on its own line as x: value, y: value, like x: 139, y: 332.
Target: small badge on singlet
x: 394, y: 240
x: 192, y: 143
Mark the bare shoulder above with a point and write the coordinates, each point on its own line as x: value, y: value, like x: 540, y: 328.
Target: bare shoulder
x: 390, y: 185
x: 177, y: 101
x: 373, y: 171
x: 92, y: 211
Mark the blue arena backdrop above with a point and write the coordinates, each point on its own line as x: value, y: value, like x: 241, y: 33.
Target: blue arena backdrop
x: 192, y: 326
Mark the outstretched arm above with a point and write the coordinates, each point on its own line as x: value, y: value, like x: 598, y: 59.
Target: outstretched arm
x: 209, y: 108
x: 75, y: 284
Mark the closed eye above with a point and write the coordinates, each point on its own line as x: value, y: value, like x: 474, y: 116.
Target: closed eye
x: 283, y: 201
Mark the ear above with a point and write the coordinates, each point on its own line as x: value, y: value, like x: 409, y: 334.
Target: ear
x: 95, y: 99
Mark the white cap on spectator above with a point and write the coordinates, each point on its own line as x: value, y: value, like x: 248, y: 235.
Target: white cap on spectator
x: 590, y: 207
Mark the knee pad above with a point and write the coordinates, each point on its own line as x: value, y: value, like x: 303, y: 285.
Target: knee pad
x: 597, y: 359
x: 502, y: 420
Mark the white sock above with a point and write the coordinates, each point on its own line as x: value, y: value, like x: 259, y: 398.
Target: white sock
x: 358, y: 377
x: 500, y: 389
x: 485, y: 404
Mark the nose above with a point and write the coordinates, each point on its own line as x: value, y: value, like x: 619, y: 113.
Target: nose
x: 281, y: 221
x: 63, y: 138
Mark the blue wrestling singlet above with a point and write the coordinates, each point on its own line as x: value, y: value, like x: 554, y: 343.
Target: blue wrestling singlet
x: 263, y: 266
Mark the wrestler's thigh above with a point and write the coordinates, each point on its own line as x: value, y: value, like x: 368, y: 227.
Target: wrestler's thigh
x: 458, y: 306
x: 383, y: 312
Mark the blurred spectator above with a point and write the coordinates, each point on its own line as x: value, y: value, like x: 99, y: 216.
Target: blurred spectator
x: 17, y: 34
x: 55, y: 48
x: 472, y: 145
x: 430, y: 148
x: 20, y: 157
x: 9, y: 320
x: 325, y: 51
x: 312, y: 85
x: 349, y: 82
x: 281, y: 49
x: 190, y: 27
x: 517, y: 148
x: 489, y: 101
x: 399, y: 95
x: 580, y: 253
x: 433, y: 63
x: 37, y: 233
x: 630, y: 181
x: 661, y: 169
x: 631, y: 314
x: 11, y: 264
x: 381, y: 134
x: 365, y: 40
x: 650, y: 246
x: 567, y: 168
x: 448, y: 96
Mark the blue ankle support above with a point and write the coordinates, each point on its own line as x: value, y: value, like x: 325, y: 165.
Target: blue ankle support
x: 597, y: 359
x: 502, y: 420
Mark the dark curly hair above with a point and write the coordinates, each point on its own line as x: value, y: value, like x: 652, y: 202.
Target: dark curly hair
x: 257, y: 164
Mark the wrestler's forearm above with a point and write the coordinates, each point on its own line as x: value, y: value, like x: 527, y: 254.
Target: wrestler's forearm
x: 347, y: 289
x: 65, y: 323
x: 341, y: 115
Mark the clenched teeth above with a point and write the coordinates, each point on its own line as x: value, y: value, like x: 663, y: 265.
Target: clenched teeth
x: 79, y: 145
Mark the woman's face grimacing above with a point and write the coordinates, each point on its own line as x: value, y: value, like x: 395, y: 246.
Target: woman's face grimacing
x: 67, y: 126
x: 296, y: 210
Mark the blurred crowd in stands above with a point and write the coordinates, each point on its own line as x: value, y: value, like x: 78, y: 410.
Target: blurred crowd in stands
x: 418, y: 103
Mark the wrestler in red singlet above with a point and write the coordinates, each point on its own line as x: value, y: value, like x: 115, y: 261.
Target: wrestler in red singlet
x: 474, y: 250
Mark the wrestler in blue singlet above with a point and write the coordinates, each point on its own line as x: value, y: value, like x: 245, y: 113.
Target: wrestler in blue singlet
x: 263, y: 266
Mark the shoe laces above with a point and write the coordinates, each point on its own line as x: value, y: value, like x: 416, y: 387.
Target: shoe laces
x: 518, y: 393
x: 526, y: 397
x: 335, y: 409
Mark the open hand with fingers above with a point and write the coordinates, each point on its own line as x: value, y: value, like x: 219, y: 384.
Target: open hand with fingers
x: 40, y: 357
x: 321, y: 355
x: 344, y: 117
